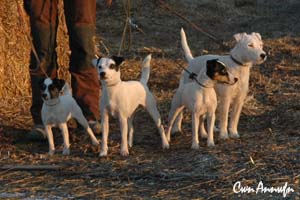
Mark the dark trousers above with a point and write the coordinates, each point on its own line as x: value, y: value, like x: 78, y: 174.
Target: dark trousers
x: 80, y: 18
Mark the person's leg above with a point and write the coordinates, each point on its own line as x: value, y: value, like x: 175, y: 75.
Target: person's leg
x: 43, y: 23
x: 81, y: 18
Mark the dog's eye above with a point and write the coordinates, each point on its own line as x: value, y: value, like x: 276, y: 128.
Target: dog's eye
x: 251, y: 45
x: 43, y: 87
x: 112, y: 66
x: 99, y: 66
x: 224, y: 72
x: 51, y: 87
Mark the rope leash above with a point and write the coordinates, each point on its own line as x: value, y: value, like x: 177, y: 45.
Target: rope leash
x: 127, y: 7
x: 192, y: 75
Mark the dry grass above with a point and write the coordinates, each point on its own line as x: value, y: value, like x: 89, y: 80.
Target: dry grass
x: 268, y: 149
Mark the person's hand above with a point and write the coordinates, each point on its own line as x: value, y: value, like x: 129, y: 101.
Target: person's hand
x: 108, y: 3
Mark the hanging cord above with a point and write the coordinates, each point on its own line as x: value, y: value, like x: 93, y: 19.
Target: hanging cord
x: 129, y: 25
x: 135, y: 26
x: 24, y: 24
x: 167, y: 7
x: 126, y: 6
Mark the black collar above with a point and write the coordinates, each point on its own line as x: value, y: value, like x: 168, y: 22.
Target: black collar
x: 236, y: 61
x: 193, y: 76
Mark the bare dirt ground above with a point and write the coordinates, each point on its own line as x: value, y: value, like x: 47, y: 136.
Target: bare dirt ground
x: 267, y: 151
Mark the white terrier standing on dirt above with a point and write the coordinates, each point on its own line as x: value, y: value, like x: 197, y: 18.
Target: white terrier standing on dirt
x: 247, y: 51
x: 121, y: 99
x: 200, y: 98
x: 58, y: 109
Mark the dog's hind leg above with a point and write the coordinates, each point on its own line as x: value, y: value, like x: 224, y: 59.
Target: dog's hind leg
x: 152, y: 110
x: 202, y: 127
x: 235, y: 116
x: 130, y: 131
x: 48, y: 130
x: 174, y: 112
x: 177, y: 124
x: 176, y: 102
x: 65, y: 133
x: 77, y: 114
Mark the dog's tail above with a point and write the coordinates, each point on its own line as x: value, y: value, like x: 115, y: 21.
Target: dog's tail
x: 185, y: 46
x: 146, y: 70
x: 181, y: 81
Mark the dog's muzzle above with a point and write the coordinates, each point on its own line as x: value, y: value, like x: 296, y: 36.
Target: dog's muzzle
x: 235, y: 80
x: 44, y: 96
x: 263, y: 56
x: 102, y: 75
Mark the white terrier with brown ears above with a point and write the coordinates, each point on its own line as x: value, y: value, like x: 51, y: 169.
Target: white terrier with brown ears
x: 247, y: 51
x: 121, y: 98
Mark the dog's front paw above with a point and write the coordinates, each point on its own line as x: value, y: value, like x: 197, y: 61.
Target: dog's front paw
x: 234, y: 135
x: 124, y: 152
x: 224, y: 135
x: 95, y: 142
x: 66, y: 151
x: 210, y: 143
x: 51, y: 152
x: 203, y: 135
x: 195, y: 146
x: 166, y: 145
x: 103, y: 153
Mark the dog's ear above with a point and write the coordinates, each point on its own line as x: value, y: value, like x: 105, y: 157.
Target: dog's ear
x: 210, y: 68
x: 59, y: 83
x: 118, y: 60
x: 257, y: 35
x: 96, y: 61
x: 220, y: 65
x: 239, y: 36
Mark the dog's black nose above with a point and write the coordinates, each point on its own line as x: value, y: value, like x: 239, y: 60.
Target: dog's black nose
x: 263, y: 55
x: 44, y: 96
x: 102, y: 74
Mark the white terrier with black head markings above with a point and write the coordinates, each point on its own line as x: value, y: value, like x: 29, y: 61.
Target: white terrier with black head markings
x: 247, y: 51
x: 200, y: 98
x: 121, y: 98
x: 58, y: 109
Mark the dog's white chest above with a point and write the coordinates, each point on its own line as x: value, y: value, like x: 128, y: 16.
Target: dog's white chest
x: 55, y: 115
x: 112, y: 109
x: 53, y: 120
